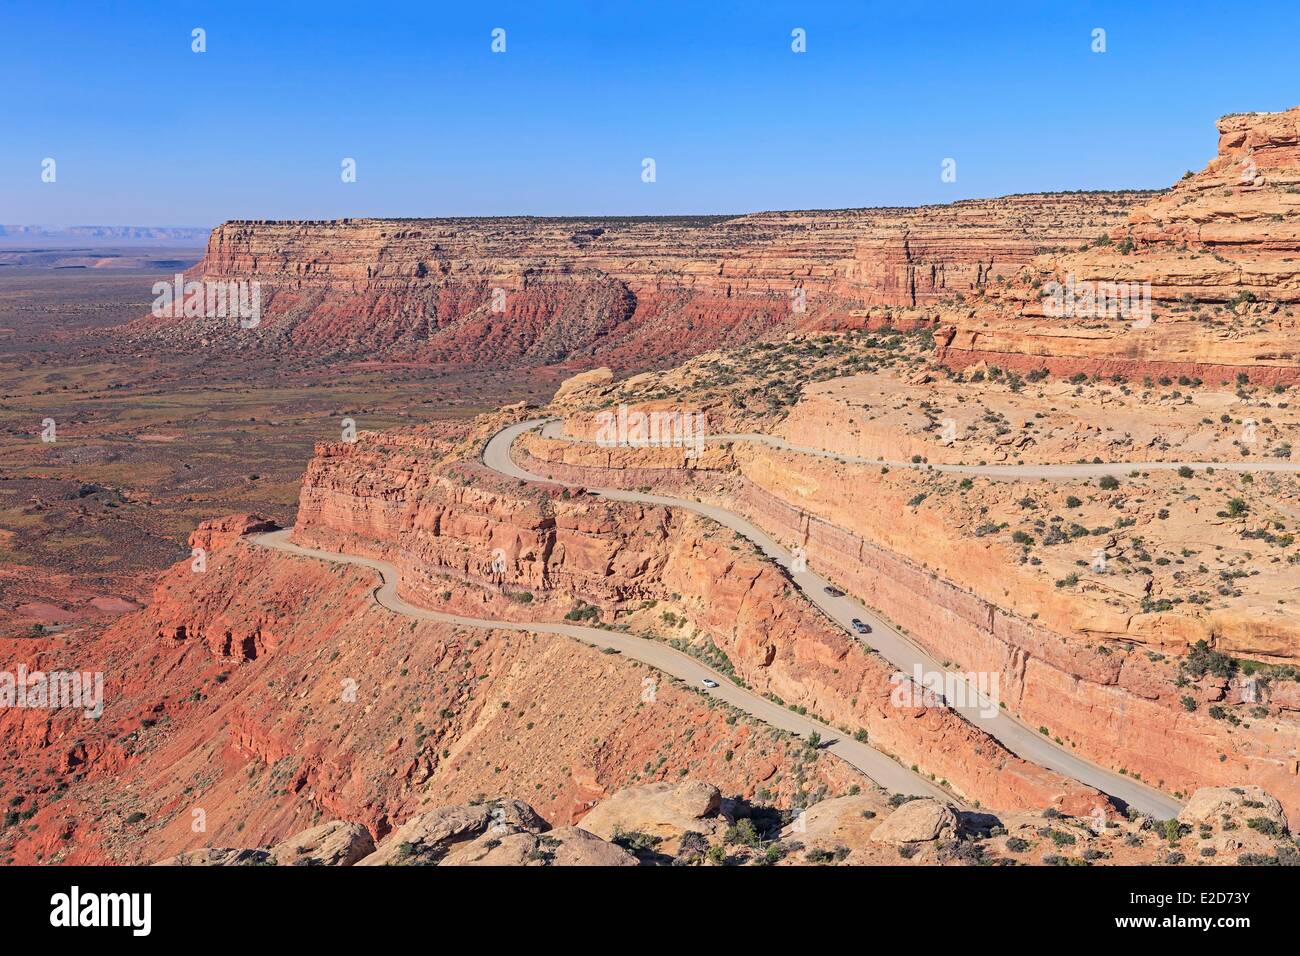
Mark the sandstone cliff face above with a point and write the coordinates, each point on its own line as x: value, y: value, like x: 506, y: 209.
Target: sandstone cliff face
x: 1219, y: 252
x: 1120, y: 709
x: 269, y: 693
x: 632, y: 292
x: 445, y: 528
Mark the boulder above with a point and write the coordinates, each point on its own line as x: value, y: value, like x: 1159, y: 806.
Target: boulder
x: 840, y: 821
x: 596, y: 378
x: 425, y: 839
x: 917, y: 821
x: 665, y: 810
x: 1239, y: 804
x: 337, y: 843
x: 567, y: 846
x: 504, y: 848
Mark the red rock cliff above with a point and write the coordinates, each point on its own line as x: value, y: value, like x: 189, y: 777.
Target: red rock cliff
x: 1218, y: 254
x: 466, y: 540
x: 631, y: 292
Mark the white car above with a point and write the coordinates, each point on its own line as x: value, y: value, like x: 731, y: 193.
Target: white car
x: 709, y: 683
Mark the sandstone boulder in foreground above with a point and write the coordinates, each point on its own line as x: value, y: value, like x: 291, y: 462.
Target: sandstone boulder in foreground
x: 336, y: 843
x: 1237, y: 821
x: 846, y: 820
x: 567, y: 846
x: 917, y: 821
x: 596, y: 378
x: 1209, y: 805
x: 665, y: 810
x: 425, y: 839
x: 686, y: 823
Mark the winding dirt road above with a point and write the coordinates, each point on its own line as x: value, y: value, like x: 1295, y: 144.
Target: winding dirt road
x: 881, y: 768
x: 552, y: 428
x: 890, y: 643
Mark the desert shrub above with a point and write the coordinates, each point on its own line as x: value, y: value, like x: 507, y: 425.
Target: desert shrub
x: 1170, y: 829
x: 742, y: 832
x: 1201, y: 660
x: 1060, y: 838
x: 1265, y: 826
x: 583, y: 612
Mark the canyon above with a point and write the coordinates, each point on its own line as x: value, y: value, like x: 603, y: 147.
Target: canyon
x: 265, y: 695
x: 1138, y: 619
x: 1095, y: 658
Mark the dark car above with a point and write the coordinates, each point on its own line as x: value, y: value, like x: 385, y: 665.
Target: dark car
x: 860, y: 627
x: 833, y: 592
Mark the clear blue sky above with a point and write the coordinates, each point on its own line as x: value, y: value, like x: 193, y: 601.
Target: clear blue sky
x: 146, y: 132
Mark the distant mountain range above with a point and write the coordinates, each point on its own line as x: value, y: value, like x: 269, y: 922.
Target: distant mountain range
x: 152, y: 235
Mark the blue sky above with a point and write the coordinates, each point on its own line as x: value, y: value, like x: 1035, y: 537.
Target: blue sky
x: 144, y: 131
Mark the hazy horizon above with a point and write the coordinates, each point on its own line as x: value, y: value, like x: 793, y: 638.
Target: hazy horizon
x: 703, y: 214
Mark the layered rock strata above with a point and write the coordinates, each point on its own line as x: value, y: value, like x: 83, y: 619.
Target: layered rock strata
x: 1217, y: 256
x: 631, y: 292
x: 471, y: 542
x: 1120, y: 709
x: 268, y: 693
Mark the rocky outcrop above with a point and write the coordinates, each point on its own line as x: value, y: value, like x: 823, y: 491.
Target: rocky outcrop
x: 567, y: 846
x: 665, y: 810
x: 917, y: 821
x: 219, y: 856
x: 216, y: 533
x: 507, y: 833
x: 839, y: 821
x: 1210, y: 805
x: 1218, y: 255
x: 427, y: 838
x: 337, y: 843
x: 680, y: 824
x: 1244, y: 823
